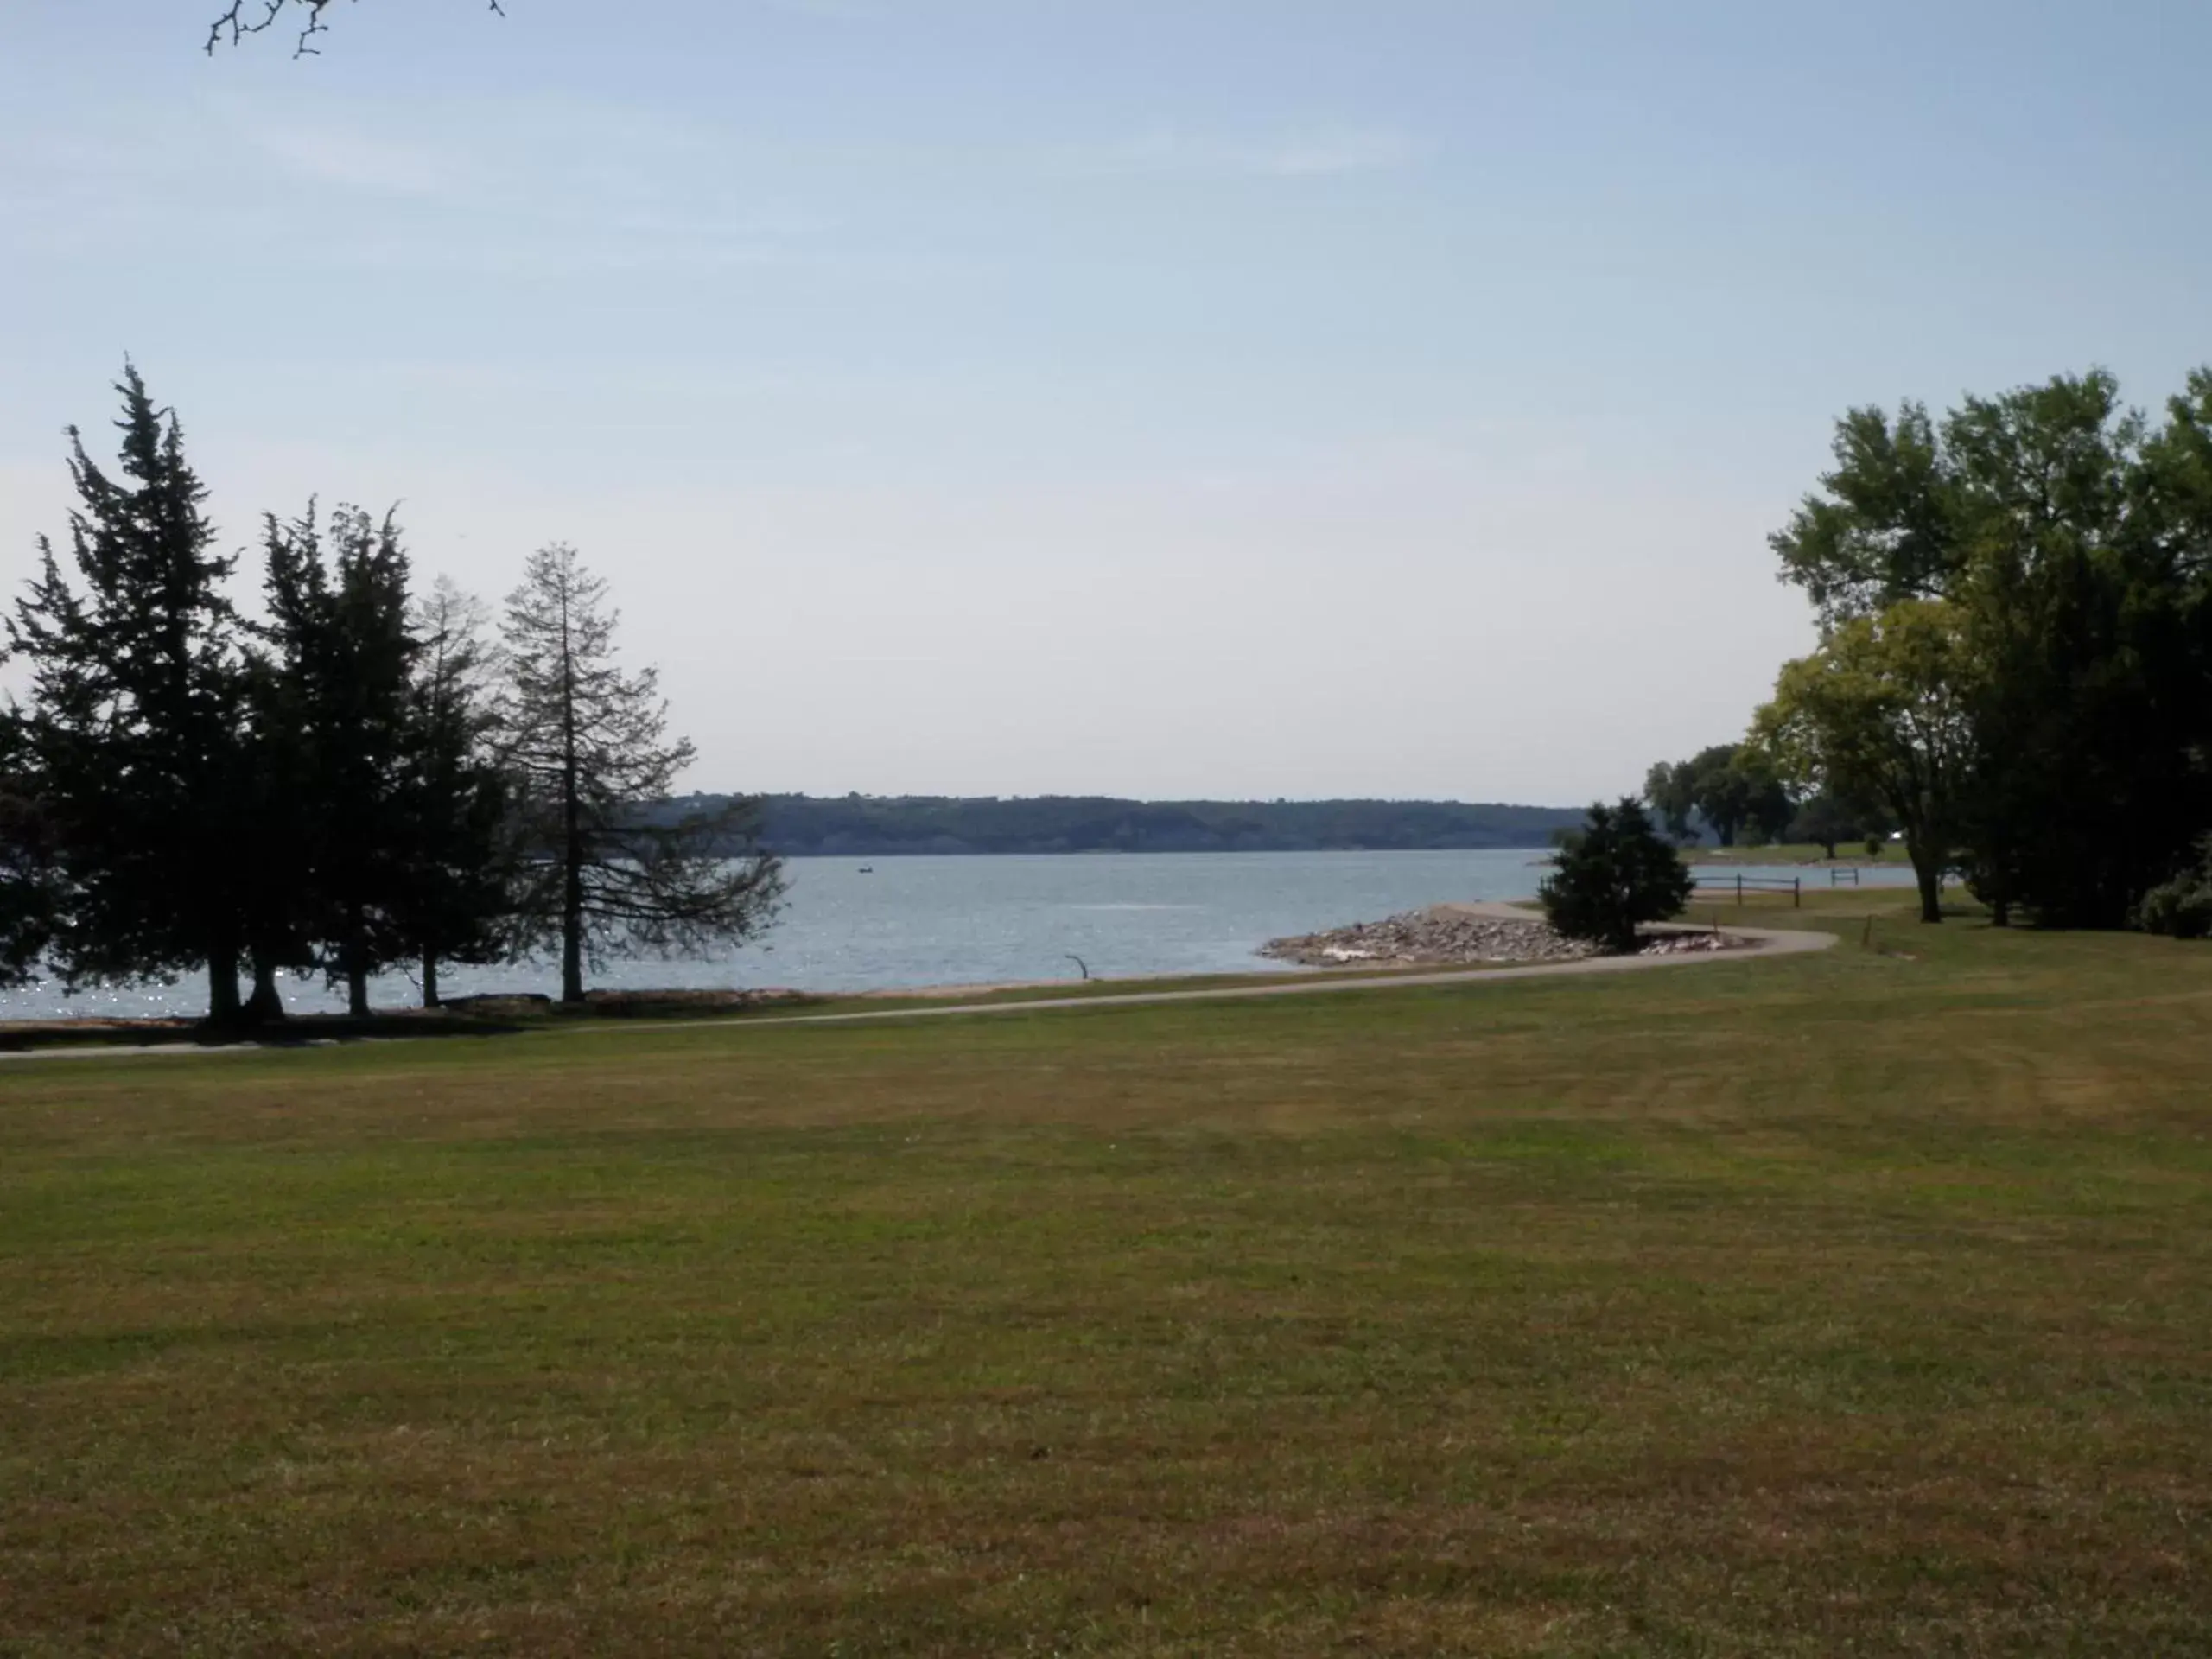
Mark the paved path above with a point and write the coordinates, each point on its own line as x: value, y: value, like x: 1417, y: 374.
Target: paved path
x: 1763, y: 942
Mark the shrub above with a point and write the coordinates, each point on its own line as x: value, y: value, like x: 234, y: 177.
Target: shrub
x: 2182, y: 907
x: 1616, y: 877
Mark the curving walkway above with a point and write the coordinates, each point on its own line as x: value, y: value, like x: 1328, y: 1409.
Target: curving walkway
x: 1763, y: 942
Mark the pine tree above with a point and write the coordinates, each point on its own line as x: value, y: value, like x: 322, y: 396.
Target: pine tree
x: 30, y: 886
x: 610, y: 868
x: 136, y: 719
x: 283, y: 905
x: 457, y: 862
x: 343, y: 676
x: 1613, y: 877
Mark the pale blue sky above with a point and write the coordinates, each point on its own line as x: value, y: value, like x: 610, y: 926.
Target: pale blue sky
x: 1210, y: 397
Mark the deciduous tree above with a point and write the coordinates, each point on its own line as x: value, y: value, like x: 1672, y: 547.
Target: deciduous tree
x: 2072, y: 539
x: 459, y: 855
x: 1671, y: 789
x: 241, y: 18
x: 611, y: 867
x: 1885, y: 709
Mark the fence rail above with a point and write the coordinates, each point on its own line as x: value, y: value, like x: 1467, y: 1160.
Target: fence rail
x: 1715, y: 887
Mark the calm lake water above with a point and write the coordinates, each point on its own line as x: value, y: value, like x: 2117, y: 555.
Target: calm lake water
x: 980, y: 920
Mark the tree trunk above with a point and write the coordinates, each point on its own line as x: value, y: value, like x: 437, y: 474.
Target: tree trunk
x: 356, y: 957
x: 266, y: 1005
x: 430, y: 978
x: 223, y: 1012
x: 572, y: 932
x: 572, y: 849
x: 1929, y: 868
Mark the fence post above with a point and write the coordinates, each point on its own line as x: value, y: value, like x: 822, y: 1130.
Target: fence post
x: 1796, y: 892
x: 1739, y: 889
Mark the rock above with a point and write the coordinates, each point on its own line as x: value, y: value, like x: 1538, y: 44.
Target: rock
x: 1448, y: 938
x: 1428, y: 936
x: 1689, y: 944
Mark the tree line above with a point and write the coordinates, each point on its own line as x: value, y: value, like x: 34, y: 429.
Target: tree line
x: 872, y: 826
x: 2015, y: 662
x: 359, y: 778
x: 1734, y: 792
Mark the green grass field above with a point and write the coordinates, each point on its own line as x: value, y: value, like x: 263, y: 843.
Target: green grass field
x: 1852, y: 1303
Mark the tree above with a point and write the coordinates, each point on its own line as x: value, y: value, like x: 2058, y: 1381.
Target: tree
x: 279, y: 845
x: 2073, y: 540
x: 2181, y: 906
x: 1885, y: 528
x: 2086, y: 588
x: 1823, y: 821
x: 243, y: 17
x: 1826, y: 820
x: 458, y: 857
x: 30, y: 887
x: 1768, y: 805
x: 1883, y: 708
x: 339, y: 624
x: 1672, y: 791
x: 1728, y: 787
x: 137, y: 723
x: 609, y: 867
x: 1617, y: 877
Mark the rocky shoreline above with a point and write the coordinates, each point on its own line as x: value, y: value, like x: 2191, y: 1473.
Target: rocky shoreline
x: 1446, y: 936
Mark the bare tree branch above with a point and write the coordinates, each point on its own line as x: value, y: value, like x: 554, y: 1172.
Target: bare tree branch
x: 243, y: 17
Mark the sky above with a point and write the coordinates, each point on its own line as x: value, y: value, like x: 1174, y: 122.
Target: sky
x: 1242, y: 399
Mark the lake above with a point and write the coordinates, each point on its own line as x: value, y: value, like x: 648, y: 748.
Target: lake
x: 981, y: 920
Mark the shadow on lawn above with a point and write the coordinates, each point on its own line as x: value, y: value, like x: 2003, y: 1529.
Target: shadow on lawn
x: 469, y: 1016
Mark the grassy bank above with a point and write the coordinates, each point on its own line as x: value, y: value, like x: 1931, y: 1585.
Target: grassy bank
x: 1859, y: 1301
x: 507, y: 1017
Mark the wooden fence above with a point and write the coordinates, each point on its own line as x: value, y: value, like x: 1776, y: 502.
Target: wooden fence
x: 1716, y: 887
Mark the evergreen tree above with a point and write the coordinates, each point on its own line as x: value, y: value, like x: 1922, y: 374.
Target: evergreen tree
x: 611, y: 866
x: 283, y: 912
x: 137, y: 723
x: 457, y: 863
x: 344, y: 678
x: 30, y: 887
x: 1615, y: 876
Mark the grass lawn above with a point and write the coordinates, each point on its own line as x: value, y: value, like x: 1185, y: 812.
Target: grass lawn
x: 1851, y: 1303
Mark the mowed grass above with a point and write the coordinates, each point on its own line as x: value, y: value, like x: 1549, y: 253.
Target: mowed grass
x: 1855, y: 1303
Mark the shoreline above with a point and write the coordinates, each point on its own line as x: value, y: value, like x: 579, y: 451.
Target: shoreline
x: 1747, y: 944
x: 1272, y: 973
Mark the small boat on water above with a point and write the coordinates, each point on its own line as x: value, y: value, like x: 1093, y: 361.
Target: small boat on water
x: 868, y: 869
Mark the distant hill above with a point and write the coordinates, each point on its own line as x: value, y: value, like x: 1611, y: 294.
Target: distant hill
x: 870, y: 826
